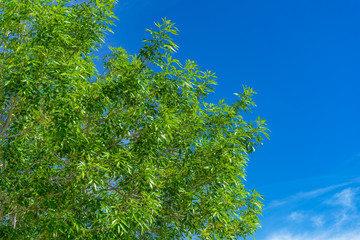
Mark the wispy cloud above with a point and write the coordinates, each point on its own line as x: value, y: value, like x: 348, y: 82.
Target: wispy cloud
x: 329, y: 213
x: 345, y: 198
x: 329, y: 235
x: 310, y: 194
x: 317, y: 221
x: 305, y: 195
x: 296, y: 217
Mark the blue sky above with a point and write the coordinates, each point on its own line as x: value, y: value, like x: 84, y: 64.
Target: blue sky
x: 302, y: 57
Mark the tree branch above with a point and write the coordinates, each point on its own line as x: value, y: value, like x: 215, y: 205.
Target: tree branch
x: 8, y: 118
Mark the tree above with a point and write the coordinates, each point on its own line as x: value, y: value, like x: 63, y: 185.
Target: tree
x: 133, y: 152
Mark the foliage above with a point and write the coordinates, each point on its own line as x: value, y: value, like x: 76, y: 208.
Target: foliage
x: 133, y: 152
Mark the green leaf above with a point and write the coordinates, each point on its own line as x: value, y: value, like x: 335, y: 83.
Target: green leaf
x: 137, y: 148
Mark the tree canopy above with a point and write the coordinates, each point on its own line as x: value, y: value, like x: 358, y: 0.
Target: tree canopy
x: 132, y: 151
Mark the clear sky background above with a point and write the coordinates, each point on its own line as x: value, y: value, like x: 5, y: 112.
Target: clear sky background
x: 303, y: 59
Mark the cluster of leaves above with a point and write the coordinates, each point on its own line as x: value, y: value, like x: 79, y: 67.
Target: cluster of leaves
x: 132, y: 153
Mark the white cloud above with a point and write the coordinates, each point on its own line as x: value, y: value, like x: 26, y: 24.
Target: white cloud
x: 329, y: 213
x: 317, y: 221
x: 276, y: 203
x: 284, y: 236
x: 345, y: 207
x: 304, y: 195
x: 326, y: 235
x: 345, y: 198
x: 296, y: 216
